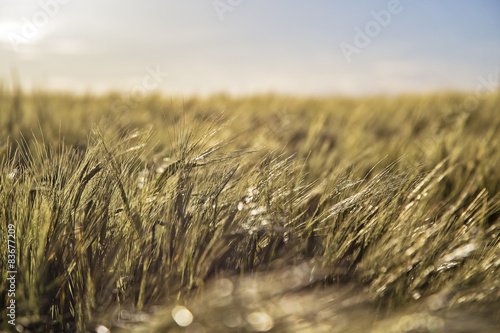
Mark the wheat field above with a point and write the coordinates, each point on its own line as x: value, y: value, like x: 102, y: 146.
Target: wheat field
x: 249, y: 214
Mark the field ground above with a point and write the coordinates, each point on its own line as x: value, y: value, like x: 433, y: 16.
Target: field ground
x: 263, y: 213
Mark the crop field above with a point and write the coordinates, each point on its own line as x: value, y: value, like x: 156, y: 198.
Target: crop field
x: 266, y: 213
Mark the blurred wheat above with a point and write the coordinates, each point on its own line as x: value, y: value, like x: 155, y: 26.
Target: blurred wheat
x: 252, y: 214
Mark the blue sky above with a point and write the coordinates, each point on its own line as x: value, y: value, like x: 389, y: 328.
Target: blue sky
x: 251, y: 46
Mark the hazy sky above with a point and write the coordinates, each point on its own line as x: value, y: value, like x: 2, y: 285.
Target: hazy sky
x: 248, y: 46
